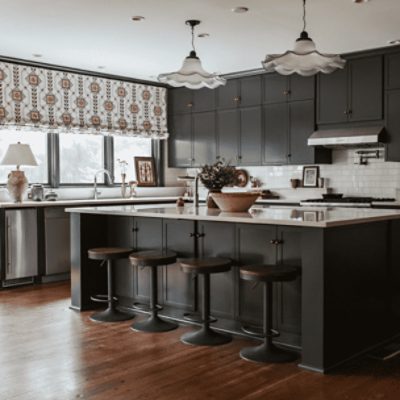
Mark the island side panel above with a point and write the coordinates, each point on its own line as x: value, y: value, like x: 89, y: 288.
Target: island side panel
x: 87, y: 277
x: 358, y: 313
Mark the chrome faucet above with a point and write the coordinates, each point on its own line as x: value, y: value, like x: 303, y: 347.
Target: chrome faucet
x: 100, y: 171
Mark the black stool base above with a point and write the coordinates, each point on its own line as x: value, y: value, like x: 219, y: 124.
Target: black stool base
x: 267, y: 354
x: 153, y: 324
x: 205, y: 337
x: 111, y: 315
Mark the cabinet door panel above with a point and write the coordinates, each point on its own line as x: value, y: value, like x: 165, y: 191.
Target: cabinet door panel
x: 275, y: 88
x: 180, y: 100
x: 393, y: 125
x: 301, y: 127
x: 393, y: 71
x: 228, y: 123
x: 276, y: 133
x: 332, y: 97
x: 288, y: 294
x: 204, y: 100
x: 147, y: 236
x: 222, y: 284
x: 180, y: 142
x: 301, y: 88
x: 250, y: 91
x: 254, y: 247
x: 178, y: 289
x: 366, y: 89
x: 204, y: 138
x: 227, y: 94
x: 250, y: 136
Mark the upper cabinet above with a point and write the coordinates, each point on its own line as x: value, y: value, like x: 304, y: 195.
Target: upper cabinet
x: 279, y: 88
x: 180, y: 101
x: 354, y: 94
x: 228, y: 96
x: 393, y: 71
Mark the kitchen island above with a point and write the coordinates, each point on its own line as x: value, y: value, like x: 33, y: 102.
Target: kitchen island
x: 345, y: 302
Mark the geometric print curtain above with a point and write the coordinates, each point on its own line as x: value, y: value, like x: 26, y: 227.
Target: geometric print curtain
x: 49, y: 100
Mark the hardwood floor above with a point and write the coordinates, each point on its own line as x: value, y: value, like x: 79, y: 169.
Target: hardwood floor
x: 48, y: 351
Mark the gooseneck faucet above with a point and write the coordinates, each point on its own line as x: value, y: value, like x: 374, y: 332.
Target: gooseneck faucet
x: 196, y: 191
x: 100, y: 171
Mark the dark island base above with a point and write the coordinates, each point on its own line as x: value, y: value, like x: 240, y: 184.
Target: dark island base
x: 346, y: 302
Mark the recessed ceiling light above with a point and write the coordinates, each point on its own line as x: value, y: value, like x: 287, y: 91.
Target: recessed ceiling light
x: 203, y: 35
x: 37, y: 55
x: 101, y: 67
x: 240, y: 10
x: 395, y: 41
x: 360, y: 1
x: 137, y: 18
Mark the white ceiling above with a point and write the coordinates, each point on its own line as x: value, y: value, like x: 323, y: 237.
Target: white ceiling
x: 90, y: 33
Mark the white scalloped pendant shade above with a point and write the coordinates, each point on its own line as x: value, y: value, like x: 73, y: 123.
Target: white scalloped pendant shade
x: 192, y: 75
x: 304, y: 60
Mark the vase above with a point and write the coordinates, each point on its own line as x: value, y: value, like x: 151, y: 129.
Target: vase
x: 123, y: 186
x: 210, y: 201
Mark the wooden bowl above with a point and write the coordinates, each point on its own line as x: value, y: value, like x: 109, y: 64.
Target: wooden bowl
x: 235, y: 202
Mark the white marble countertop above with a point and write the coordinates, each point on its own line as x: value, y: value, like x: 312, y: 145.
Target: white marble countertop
x: 83, y: 202
x: 318, y: 217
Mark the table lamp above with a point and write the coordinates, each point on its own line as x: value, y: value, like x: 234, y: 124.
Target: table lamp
x: 18, y: 154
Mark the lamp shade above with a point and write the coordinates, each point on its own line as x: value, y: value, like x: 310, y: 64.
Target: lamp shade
x: 19, y: 154
x: 192, y: 75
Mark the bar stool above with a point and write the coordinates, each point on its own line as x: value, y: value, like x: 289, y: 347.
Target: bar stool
x: 153, y: 259
x: 205, y: 266
x: 267, y: 274
x: 109, y: 254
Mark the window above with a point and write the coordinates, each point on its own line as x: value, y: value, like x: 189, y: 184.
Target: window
x: 81, y: 156
x: 38, y: 143
x: 126, y: 148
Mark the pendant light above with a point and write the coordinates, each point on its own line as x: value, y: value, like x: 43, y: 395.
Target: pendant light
x: 192, y: 75
x: 305, y: 59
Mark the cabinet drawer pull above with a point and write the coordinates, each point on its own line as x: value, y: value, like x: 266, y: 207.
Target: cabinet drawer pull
x: 189, y: 105
x: 276, y: 242
x: 236, y: 98
x: 286, y: 92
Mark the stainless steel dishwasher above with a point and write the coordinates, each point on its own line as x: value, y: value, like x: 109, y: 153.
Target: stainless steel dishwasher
x: 21, y: 246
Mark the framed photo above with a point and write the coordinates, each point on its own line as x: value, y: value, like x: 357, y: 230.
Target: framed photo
x: 145, y: 171
x: 310, y: 176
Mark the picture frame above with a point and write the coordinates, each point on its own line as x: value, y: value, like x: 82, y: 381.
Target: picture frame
x: 145, y: 171
x: 310, y: 176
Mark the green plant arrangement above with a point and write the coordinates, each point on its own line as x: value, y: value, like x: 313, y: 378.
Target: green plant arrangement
x: 216, y: 176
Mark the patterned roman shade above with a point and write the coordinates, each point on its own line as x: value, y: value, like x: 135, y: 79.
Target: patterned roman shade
x: 56, y: 101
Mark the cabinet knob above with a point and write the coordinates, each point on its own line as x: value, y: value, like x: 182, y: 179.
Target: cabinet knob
x: 350, y: 112
x: 189, y: 105
x: 236, y: 99
x: 345, y: 112
x: 289, y: 155
x: 286, y: 92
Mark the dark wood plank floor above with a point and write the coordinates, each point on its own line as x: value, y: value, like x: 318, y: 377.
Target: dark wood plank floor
x: 48, y: 351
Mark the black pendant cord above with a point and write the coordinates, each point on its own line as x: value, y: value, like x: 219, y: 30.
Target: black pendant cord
x: 304, y: 16
x: 194, y: 49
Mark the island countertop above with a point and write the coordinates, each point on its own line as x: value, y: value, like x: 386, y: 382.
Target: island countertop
x: 292, y: 216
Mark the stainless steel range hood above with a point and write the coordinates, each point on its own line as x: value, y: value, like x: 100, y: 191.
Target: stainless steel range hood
x: 354, y: 137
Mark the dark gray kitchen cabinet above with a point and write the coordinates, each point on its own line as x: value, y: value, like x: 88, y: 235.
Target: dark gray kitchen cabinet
x: 180, y: 143
x: 228, y: 96
x: 180, y: 101
x: 393, y: 125
x: 301, y: 125
x: 204, y: 138
x: 178, y: 286
x: 250, y: 91
x: 204, y: 100
x: 353, y: 94
x: 392, y: 62
x: 280, y: 88
x: 222, y: 285
x: 250, y: 151
x: 228, y: 128
x: 276, y: 133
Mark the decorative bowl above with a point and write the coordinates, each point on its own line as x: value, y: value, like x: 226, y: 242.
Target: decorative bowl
x: 235, y: 202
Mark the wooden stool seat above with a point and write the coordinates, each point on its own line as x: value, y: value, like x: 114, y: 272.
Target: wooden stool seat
x: 205, y: 265
x: 152, y: 258
x: 111, y: 314
x: 109, y: 253
x: 267, y: 352
x: 269, y: 273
